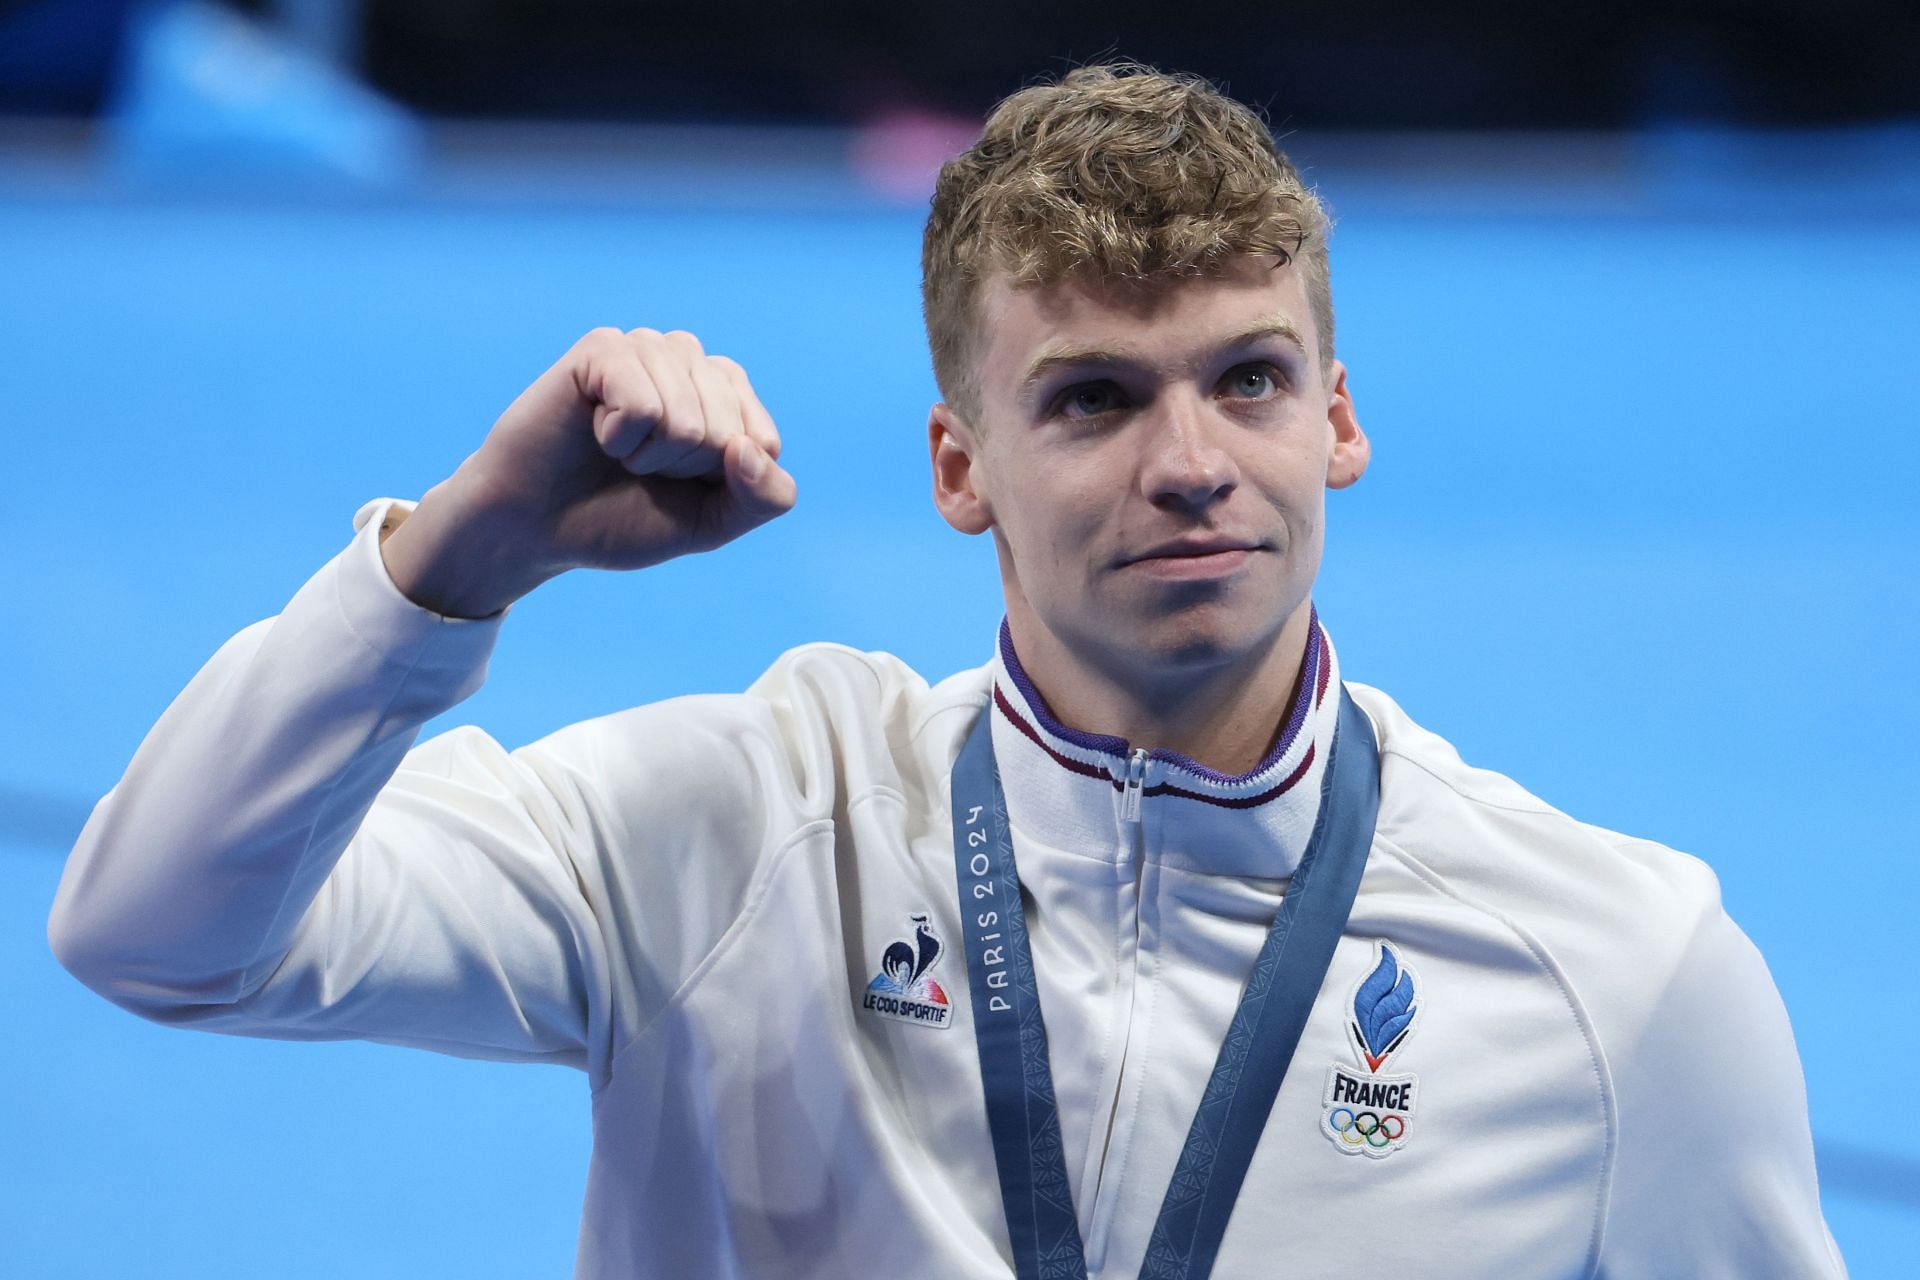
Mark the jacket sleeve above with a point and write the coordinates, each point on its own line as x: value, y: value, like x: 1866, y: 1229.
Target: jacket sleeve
x: 1714, y: 1176
x: 277, y: 862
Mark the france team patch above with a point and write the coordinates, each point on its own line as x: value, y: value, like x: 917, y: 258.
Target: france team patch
x: 1365, y: 1111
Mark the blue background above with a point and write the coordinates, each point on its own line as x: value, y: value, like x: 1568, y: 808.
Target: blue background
x: 1639, y: 531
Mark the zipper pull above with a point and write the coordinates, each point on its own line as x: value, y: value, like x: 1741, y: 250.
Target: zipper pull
x: 1130, y: 787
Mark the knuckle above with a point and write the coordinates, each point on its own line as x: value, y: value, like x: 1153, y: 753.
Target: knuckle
x: 598, y: 340
x: 608, y: 429
x: 644, y: 341
x: 642, y: 407
x: 727, y: 365
x: 680, y: 429
x: 685, y: 341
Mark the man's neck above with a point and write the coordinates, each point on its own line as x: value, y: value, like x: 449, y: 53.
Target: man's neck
x: 1225, y: 716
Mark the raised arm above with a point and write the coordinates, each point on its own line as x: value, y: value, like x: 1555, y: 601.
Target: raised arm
x: 634, y: 449
x: 277, y: 861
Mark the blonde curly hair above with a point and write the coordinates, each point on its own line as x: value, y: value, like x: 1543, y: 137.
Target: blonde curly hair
x: 1120, y: 173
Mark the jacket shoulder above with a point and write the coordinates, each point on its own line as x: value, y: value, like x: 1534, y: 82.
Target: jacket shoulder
x: 876, y: 718
x: 1487, y: 830
x: 1585, y: 894
x: 1689, y: 1027
x: 821, y: 724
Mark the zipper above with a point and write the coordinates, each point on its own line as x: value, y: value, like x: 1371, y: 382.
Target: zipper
x: 1105, y: 1172
x: 1131, y: 785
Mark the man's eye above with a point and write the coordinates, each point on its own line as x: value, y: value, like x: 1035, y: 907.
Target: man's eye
x: 1089, y: 400
x: 1251, y: 381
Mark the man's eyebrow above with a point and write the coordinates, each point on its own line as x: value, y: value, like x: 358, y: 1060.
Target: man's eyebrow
x: 1083, y: 357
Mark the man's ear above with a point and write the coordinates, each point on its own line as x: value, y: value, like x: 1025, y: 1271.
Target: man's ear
x: 956, y: 481
x: 1351, y: 449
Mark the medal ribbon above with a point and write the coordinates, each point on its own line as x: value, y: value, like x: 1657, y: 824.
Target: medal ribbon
x: 1012, y: 1037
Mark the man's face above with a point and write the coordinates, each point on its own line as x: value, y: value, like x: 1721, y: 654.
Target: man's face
x: 1154, y: 467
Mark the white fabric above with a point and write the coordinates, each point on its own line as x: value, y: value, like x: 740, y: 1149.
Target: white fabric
x: 686, y: 901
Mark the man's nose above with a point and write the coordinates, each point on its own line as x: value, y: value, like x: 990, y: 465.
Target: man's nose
x: 1188, y: 467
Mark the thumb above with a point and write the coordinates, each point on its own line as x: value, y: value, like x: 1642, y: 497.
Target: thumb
x: 756, y: 490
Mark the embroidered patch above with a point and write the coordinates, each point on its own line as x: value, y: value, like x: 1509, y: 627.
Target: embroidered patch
x: 1366, y: 1112
x: 903, y: 988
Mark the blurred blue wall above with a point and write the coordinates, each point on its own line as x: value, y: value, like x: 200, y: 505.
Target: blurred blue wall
x: 1639, y: 531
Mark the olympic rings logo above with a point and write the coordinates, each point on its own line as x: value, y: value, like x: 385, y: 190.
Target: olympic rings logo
x: 1366, y: 1127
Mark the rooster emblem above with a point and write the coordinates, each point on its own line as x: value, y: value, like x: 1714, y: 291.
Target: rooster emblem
x: 904, y: 965
x: 903, y: 988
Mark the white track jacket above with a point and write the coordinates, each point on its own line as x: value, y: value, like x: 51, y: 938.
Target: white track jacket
x: 700, y: 904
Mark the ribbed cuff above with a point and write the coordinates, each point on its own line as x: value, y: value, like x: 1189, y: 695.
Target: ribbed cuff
x: 389, y: 623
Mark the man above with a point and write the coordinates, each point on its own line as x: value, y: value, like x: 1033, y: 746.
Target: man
x: 1149, y: 948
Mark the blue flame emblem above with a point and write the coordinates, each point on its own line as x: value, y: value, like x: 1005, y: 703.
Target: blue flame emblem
x: 1383, y: 1009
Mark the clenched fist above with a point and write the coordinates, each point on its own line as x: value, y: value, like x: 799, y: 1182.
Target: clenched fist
x: 633, y: 449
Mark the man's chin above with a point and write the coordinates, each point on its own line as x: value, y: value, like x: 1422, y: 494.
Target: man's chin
x: 1197, y: 636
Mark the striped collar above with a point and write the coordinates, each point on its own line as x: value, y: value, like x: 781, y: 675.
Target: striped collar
x: 1070, y: 789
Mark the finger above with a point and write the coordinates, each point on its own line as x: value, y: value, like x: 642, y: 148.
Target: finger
x: 757, y: 489
x: 626, y: 403
x: 720, y: 407
x: 758, y: 422
x: 682, y: 428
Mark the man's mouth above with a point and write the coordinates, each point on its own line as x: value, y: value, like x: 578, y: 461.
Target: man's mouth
x: 1194, y: 557
x: 1193, y: 548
